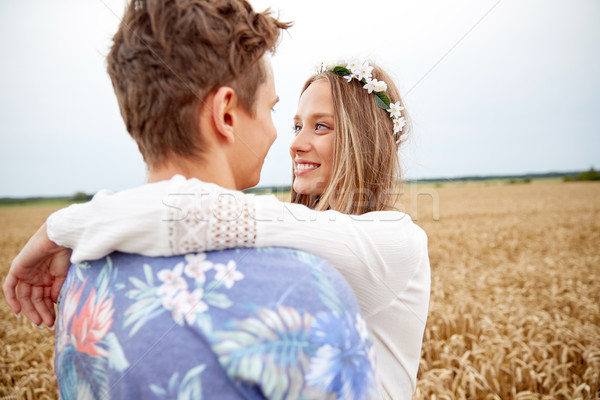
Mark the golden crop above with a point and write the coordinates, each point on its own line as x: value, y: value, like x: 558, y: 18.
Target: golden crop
x: 515, y: 302
x: 515, y: 297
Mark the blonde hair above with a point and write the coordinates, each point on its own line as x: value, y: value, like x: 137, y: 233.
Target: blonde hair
x: 365, y: 165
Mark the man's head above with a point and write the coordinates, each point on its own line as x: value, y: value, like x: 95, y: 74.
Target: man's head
x: 169, y: 55
x: 252, y: 134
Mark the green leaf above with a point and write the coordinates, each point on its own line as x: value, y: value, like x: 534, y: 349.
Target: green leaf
x: 137, y: 283
x: 174, y: 383
x: 148, y: 274
x: 270, y: 349
x: 382, y: 100
x: 204, y: 322
x: 79, y: 274
x: 191, y: 386
x: 117, y: 359
x: 217, y: 300
x: 327, y: 293
x: 341, y: 71
x: 158, y: 391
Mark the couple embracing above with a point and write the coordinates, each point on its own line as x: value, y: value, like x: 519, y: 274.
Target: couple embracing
x: 187, y: 287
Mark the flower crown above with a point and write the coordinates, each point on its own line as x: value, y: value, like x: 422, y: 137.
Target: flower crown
x: 362, y: 73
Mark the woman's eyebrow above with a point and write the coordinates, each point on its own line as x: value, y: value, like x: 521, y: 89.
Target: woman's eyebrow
x: 316, y: 116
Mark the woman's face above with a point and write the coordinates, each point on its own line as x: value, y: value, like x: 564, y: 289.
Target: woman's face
x: 312, y: 147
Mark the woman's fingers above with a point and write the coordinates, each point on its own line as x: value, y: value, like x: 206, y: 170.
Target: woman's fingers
x: 10, y: 293
x: 38, y: 299
x: 50, y: 307
x: 35, y: 278
x: 59, y: 269
x: 24, y: 296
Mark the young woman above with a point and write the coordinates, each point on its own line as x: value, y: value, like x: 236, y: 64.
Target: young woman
x: 348, y: 127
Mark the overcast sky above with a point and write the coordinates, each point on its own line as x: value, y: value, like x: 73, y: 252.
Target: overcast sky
x: 492, y: 87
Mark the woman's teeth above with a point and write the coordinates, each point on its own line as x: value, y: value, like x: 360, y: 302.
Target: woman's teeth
x: 307, y: 166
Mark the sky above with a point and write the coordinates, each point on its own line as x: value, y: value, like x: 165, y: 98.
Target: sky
x: 492, y: 87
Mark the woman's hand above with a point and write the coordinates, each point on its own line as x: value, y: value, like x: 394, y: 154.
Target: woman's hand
x: 35, y: 278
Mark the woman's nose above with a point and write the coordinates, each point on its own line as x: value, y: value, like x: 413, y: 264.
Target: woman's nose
x: 300, y: 143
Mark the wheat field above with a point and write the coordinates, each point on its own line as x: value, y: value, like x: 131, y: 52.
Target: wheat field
x: 515, y: 302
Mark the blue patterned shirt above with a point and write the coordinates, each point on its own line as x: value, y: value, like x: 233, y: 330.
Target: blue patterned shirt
x: 236, y: 324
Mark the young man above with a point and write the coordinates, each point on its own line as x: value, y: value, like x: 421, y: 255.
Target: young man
x: 196, y: 90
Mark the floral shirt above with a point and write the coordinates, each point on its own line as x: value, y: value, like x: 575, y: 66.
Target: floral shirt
x: 243, y: 323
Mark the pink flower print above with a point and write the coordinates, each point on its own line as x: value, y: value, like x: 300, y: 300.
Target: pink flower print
x: 173, y: 281
x: 187, y: 305
x: 228, y: 274
x: 70, y: 305
x: 92, y: 324
x: 196, y: 266
x: 168, y: 302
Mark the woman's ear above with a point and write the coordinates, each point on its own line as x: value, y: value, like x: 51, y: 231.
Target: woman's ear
x: 224, y: 103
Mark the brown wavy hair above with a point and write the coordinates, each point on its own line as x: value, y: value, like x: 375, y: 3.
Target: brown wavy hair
x: 168, y: 55
x: 365, y: 172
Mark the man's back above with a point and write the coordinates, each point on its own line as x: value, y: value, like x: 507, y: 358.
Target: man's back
x: 233, y: 324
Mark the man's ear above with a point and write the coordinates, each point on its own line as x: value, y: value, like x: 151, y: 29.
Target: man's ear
x: 224, y: 104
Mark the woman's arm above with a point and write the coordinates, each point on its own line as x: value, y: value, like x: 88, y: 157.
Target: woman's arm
x: 35, y: 277
x: 376, y: 252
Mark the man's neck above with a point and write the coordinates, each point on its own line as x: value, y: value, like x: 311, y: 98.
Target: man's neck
x: 210, y: 169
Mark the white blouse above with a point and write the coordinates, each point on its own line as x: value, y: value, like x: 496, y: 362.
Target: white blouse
x: 383, y: 255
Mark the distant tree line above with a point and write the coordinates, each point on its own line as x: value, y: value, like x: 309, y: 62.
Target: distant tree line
x: 79, y: 197
x: 268, y: 189
x: 590, y: 175
x: 523, y: 178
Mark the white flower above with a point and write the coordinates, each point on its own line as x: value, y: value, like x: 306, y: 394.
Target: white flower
x: 329, y: 66
x: 349, y: 77
x: 228, y: 274
x: 371, y: 85
x: 363, y: 72
x: 399, y: 123
x: 402, y: 137
x: 168, y: 302
x: 173, y: 281
x: 323, y: 366
x: 197, y: 266
x: 380, y: 86
x: 187, y: 305
x: 353, y: 66
x: 395, y: 110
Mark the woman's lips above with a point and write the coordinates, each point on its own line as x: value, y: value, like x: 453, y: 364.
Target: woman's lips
x: 303, y: 168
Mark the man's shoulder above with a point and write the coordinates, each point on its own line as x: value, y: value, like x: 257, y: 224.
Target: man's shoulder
x: 268, y: 262
x: 246, y: 271
x: 244, y: 256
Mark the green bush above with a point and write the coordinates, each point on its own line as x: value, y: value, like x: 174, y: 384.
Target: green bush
x: 81, y: 197
x: 515, y: 180
x: 591, y: 175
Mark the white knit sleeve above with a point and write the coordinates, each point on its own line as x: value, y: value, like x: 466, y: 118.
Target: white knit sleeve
x: 376, y: 252
x: 187, y: 215
x: 166, y: 218
x: 204, y: 216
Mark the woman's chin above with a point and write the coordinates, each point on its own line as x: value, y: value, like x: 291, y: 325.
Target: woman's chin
x: 308, y: 188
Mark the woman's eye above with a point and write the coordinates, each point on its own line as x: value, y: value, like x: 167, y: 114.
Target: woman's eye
x: 321, y: 127
x: 297, y: 128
